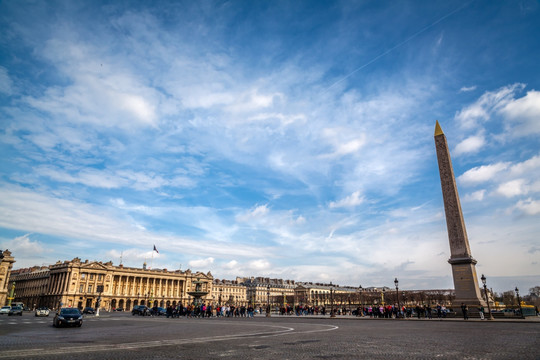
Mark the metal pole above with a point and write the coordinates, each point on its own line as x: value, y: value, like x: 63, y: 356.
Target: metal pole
x: 519, y: 303
x: 396, y: 282
x: 483, y: 278
x: 332, y: 313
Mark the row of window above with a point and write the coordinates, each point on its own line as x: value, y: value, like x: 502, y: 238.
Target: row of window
x: 91, y: 276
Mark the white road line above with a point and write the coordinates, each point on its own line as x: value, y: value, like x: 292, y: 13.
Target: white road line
x: 132, y: 346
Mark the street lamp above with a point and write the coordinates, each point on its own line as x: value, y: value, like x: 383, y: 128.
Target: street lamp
x: 396, y: 282
x: 268, y: 303
x: 519, y: 303
x: 220, y: 291
x: 332, y: 314
x: 483, y: 278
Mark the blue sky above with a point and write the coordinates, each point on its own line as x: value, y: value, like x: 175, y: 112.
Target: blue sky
x: 290, y: 139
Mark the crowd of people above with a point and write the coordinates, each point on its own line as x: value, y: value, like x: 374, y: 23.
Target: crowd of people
x: 387, y: 311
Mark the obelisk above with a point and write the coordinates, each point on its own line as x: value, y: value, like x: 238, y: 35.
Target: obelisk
x: 463, y: 264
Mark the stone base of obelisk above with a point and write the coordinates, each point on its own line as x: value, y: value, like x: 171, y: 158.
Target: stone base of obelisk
x: 466, y: 284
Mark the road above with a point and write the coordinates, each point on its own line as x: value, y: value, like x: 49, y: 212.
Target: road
x: 122, y: 336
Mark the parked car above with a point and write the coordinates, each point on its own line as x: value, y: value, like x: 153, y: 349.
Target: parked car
x: 42, y: 311
x: 5, y: 310
x: 140, y: 310
x: 16, y: 310
x: 89, y: 310
x: 118, y: 309
x: 158, y: 311
x: 68, y: 317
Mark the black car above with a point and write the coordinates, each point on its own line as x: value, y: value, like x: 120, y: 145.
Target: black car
x: 158, y: 311
x: 118, y: 309
x: 68, y: 317
x: 89, y: 310
x: 15, y: 310
x: 140, y: 310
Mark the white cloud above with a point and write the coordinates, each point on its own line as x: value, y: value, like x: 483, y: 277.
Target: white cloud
x: 523, y: 114
x: 467, y: 88
x: 489, y: 102
x: 529, y: 206
x: 253, y: 100
x: 201, y: 263
x: 24, y: 247
x: 85, y: 224
x: 482, y: 173
x: 231, y: 265
x: 258, y: 265
x: 470, y: 145
x: 475, y: 196
x: 352, y: 200
x: 512, y: 188
x: 257, y: 213
x: 113, y: 179
x: 527, y: 166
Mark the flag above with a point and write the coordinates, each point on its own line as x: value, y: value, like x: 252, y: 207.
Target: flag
x: 155, y: 249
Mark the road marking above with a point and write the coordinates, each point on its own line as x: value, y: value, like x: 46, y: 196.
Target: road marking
x: 280, y: 330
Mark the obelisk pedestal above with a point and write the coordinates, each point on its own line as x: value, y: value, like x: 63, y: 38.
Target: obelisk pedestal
x: 463, y: 264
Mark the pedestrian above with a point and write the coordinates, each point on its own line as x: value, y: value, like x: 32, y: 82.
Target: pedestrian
x: 481, y: 312
x: 465, y: 311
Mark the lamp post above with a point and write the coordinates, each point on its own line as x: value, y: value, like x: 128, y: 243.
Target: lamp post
x: 332, y: 313
x: 483, y: 278
x: 220, y: 291
x: 396, y: 282
x: 268, y: 299
x: 361, y: 289
x: 519, y: 303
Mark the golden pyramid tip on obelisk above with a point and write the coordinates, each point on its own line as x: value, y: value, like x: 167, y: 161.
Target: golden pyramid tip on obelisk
x: 438, y: 130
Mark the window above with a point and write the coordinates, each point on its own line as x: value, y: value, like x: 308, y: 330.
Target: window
x: 91, y: 276
x: 83, y: 276
x: 100, y: 277
x: 81, y: 288
x: 89, y: 288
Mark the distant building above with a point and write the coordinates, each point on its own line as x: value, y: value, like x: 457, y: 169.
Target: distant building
x: 228, y: 292
x: 319, y: 294
x: 261, y: 289
x: 79, y: 284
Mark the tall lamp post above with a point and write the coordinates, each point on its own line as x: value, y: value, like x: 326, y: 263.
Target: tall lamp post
x: 519, y: 303
x: 483, y: 278
x: 268, y: 303
x: 220, y: 292
x: 396, y: 282
x: 332, y: 313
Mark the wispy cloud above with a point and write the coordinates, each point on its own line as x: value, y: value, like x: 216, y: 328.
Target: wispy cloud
x: 352, y: 200
x: 467, y: 88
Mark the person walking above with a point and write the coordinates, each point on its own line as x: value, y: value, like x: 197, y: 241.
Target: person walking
x: 481, y: 312
x: 465, y: 311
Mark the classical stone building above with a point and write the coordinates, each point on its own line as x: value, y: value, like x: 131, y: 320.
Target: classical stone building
x: 229, y: 292
x: 322, y: 294
x: 6, y: 263
x: 79, y: 284
x: 260, y: 289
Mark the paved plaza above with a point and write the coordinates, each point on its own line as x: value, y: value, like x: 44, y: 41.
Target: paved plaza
x: 122, y: 336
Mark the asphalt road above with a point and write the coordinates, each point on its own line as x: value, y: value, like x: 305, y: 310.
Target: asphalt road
x: 122, y: 336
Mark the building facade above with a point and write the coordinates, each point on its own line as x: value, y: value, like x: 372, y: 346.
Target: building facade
x: 261, y: 290
x: 79, y: 284
x: 229, y: 292
x: 325, y: 294
x: 6, y: 263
